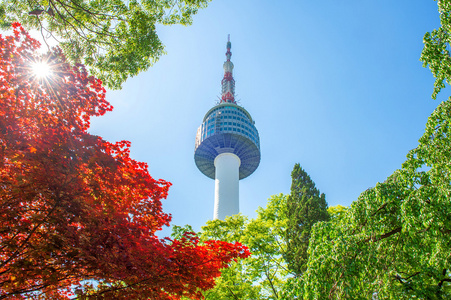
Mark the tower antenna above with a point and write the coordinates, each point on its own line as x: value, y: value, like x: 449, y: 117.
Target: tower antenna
x: 228, y: 83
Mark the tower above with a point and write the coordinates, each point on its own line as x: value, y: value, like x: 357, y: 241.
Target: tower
x: 227, y: 145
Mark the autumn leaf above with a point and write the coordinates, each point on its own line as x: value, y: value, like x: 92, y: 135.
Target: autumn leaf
x: 76, y: 209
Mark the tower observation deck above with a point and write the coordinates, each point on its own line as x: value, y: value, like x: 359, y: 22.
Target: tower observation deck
x: 227, y: 146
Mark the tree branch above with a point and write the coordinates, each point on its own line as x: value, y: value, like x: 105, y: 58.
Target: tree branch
x: 234, y: 296
x: 384, y: 236
x: 81, y: 24
x: 271, y: 283
x: 30, y: 235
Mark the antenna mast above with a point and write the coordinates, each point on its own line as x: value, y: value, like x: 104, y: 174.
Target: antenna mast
x: 228, y: 83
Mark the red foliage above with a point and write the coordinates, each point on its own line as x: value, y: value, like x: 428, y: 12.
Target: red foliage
x: 77, y: 211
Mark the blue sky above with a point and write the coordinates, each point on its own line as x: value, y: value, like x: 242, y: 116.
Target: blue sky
x: 334, y: 85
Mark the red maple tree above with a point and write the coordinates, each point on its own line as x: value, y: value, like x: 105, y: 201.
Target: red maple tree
x: 78, y: 216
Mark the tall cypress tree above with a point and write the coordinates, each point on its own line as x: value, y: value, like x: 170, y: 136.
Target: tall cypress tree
x: 305, y: 207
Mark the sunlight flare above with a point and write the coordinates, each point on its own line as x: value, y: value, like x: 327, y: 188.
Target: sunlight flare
x: 41, y: 69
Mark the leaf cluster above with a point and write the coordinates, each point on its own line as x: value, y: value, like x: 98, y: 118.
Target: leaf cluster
x: 116, y: 39
x: 264, y: 273
x: 395, y: 239
x: 436, y: 50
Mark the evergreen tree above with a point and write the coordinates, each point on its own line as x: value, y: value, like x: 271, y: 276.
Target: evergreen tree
x: 305, y: 207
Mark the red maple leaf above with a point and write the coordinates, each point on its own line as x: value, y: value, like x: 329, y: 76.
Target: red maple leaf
x: 76, y: 211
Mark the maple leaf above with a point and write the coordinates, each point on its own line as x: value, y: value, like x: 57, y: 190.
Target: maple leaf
x: 76, y: 209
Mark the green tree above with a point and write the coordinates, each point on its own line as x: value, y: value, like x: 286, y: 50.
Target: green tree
x: 264, y: 274
x: 305, y: 207
x: 394, y: 240
x: 116, y: 39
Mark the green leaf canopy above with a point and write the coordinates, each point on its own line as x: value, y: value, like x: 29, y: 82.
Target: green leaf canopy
x: 116, y: 39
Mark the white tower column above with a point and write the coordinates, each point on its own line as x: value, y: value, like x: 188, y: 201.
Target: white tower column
x: 227, y: 166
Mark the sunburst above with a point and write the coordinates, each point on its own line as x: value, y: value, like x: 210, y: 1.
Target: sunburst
x: 41, y: 69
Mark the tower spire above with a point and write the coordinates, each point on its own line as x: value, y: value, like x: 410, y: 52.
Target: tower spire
x: 228, y: 83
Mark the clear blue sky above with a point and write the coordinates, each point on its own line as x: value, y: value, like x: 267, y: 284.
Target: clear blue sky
x: 334, y: 85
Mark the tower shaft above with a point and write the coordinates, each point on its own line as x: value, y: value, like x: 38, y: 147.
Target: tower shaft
x: 227, y: 167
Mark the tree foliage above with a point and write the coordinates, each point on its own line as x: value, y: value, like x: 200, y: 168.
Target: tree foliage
x: 264, y: 273
x: 76, y: 209
x: 395, y: 239
x: 305, y: 207
x: 336, y: 211
x: 116, y: 39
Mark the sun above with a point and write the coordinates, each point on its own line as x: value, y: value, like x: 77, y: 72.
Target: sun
x: 41, y: 69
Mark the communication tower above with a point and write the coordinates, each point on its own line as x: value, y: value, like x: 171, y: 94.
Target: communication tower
x: 227, y: 145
